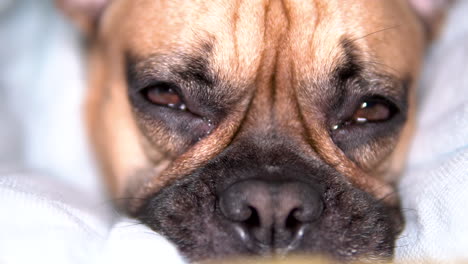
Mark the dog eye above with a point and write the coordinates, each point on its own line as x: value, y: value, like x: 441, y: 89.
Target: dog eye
x: 371, y: 110
x: 164, y: 95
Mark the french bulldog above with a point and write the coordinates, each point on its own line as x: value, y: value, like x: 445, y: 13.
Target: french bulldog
x: 257, y: 127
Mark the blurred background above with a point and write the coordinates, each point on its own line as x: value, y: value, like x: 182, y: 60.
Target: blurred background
x: 42, y: 82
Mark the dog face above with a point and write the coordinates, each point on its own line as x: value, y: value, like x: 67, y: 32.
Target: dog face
x: 256, y: 127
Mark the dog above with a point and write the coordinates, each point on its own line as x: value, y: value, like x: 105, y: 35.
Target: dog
x: 259, y: 127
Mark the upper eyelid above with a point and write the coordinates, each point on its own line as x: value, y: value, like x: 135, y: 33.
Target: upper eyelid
x: 139, y: 79
x: 183, y: 69
x: 141, y: 73
x: 150, y: 83
x: 388, y: 87
x: 349, y: 102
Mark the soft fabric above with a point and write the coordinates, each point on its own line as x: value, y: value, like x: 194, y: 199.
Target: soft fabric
x: 44, y: 220
x: 131, y: 242
x: 434, y: 188
x: 52, y: 207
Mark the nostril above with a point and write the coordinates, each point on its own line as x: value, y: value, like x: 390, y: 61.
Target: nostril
x: 247, y: 217
x: 309, y: 212
x: 294, y: 220
x: 270, y: 215
x: 254, y: 220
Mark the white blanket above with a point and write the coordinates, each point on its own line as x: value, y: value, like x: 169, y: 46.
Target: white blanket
x: 46, y: 221
x: 49, y: 219
x: 435, y: 185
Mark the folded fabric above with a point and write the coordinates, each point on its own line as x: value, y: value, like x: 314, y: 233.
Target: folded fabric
x: 434, y: 188
x: 131, y: 242
x: 46, y: 221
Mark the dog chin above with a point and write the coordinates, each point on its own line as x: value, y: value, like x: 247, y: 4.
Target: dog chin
x: 341, y: 221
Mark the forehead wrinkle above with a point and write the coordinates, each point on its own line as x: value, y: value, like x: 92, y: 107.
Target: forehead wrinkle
x: 201, y: 86
x: 240, y: 43
x: 266, y: 35
x: 333, y: 20
x: 353, y: 75
x: 235, y: 22
x: 175, y: 66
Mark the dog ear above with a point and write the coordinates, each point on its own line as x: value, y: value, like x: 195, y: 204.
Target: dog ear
x: 84, y: 13
x: 432, y: 13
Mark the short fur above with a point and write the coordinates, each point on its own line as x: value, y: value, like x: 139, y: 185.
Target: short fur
x: 265, y: 83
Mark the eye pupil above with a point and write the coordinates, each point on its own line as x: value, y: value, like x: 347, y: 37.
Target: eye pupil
x: 164, y: 95
x: 372, y: 111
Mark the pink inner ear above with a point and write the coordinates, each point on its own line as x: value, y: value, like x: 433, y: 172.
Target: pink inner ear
x: 428, y: 8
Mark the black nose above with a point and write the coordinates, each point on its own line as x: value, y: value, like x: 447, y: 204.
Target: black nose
x: 271, y: 215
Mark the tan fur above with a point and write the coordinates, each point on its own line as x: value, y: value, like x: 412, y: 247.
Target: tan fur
x: 256, y: 43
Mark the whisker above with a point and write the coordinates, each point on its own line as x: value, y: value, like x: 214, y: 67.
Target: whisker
x: 404, y: 209
x: 388, y: 195
x: 363, y: 37
x: 374, y: 32
x: 128, y: 225
x: 391, y: 69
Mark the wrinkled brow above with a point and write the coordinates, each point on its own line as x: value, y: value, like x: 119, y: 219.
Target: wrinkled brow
x: 175, y: 67
x: 189, y: 73
x: 355, y: 77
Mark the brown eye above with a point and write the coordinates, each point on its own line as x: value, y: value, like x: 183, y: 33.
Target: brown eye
x: 164, y: 95
x: 372, y: 111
